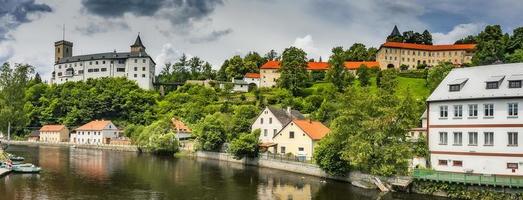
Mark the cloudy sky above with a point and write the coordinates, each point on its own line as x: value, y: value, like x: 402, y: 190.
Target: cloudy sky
x: 218, y: 29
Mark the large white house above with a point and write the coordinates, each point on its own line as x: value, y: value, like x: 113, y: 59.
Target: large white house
x: 135, y: 65
x: 271, y: 120
x: 473, y: 121
x: 96, y: 132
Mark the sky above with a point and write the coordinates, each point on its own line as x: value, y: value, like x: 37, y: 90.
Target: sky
x: 215, y: 30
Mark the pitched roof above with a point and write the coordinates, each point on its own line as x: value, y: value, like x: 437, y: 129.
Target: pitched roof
x: 138, y: 42
x: 100, y: 56
x: 271, y: 64
x: 283, y: 116
x: 314, y: 129
x: 395, y: 31
x: 352, y: 65
x: 475, y: 86
x: 426, y: 47
x: 52, y: 128
x: 252, y: 75
x: 317, y: 65
x: 178, y: 125
x: 96, y: 125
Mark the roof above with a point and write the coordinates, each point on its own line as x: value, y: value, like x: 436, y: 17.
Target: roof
x: 475, y: 86
x: 271, y: 64
x: 252, y: 75
x: 282, y: 115
x: 352, y: 65
x: 395, y: 31
x: 426, y: 47
x: 314, y: 129
x: 138, y: 42
x: 52, y: 128
x: 107, y: 56
x: 179, y: 125
x: 96, y: 125
x: 317, y: 66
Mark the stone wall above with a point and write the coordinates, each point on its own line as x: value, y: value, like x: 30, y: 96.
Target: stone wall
x: 131, y: 148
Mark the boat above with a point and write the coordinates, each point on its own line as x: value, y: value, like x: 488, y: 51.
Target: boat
x: 26, y: 169
x: 16, y: 158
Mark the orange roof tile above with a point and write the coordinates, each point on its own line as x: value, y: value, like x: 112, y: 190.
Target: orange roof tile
x: 352, y: 65
x: 96, y: 125
x: 179, y: 125
x: 252, y: 75
x: 271, y: 64
x: 317, y: 65
x: 314, y: 129
x: 52, y: 128
x: 445, y: 47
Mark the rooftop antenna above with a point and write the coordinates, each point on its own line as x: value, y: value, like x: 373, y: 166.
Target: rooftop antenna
x: 63, y: 32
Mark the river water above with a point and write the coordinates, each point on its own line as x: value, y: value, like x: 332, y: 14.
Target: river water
x: 81, y: 174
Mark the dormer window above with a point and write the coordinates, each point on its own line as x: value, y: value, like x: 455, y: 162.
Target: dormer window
x: 454, y: 88
x: 514, y: 84
x: 492, y: 85
x: 494, y: 81
x: 456, y: 85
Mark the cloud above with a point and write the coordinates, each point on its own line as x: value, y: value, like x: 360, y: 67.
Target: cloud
x: 117, y: 8
x: 13, y: 13
x: 6, y: 52
x: 307, y: 44
x: 168, y: 55
x: 458, y: 32
x: 211, y: 37
x: 99, y: 25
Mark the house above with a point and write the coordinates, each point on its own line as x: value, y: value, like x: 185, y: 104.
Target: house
x: 473, y: 121
x: 299, y: 137
x: 271, y: 120
x: 34, y: 136
x: 252, y: 78
x: 182, y: 131
x: 269, y: 72
x: 238, y: 85
x: 54, y: 133
x: 419, y: 132
x: 95, y: 132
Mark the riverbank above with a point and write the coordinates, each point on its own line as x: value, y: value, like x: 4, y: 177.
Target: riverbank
x: 128, y: 148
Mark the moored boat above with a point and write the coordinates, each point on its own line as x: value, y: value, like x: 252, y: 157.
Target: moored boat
x: 26, y: 169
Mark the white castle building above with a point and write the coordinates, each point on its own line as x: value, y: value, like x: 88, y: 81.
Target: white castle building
x: 473, y: 121
x: 135, y: 65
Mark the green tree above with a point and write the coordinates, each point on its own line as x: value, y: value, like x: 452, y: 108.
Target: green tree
x: 388, y: 80
x: 426, y: 37
x: 491, y: 46
x: 470, y: 39
x: 293, y: 71
x: 157, y: 138
x: 235, y: 68
x: 271, y: 55
x: 211, y: 132
x: 357, y: 52
x: 515, y: 57
x: 337, y: 71
x: 516, y: 40
x: 363, y: 76
x: 436, y: 74
x: 328, y: 155
x: 255, y: 58
x: 13, y: 83
x: 222, y: 74
x: 245, y: 146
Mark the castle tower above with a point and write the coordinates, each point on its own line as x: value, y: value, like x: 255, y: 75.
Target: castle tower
x: 62, y: 49
x: 395, y: 32
x: 137, y: 47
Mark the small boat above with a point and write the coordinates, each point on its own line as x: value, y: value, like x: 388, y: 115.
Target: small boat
x: 16, y: 158
x: 26, y: 169
x: 23, y: 165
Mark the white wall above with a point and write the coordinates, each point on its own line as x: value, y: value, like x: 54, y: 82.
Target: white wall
x: 252, y: 80
x: 266, y: 125
x: 96, y: 137
x: 478, y: 164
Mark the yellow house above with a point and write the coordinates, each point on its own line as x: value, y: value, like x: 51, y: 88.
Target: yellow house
x: 299, y: 137
x: 54, y: 133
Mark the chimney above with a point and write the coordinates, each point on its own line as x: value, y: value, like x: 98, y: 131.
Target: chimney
x: 289, y: 111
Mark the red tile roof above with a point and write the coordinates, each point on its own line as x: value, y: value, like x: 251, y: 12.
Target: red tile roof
x: 445, y: 47
x: 52, y: 128
x: 314, y: 129
x: 317, y: 66
x: 180, y: 126
x: 271, y: 64
x: 252, y: 75
x: 96, y: 125
x: 352, y: 65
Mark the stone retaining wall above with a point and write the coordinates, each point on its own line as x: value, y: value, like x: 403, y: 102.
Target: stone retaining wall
x: 131, y: 148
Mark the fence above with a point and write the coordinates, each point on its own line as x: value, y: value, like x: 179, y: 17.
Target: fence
x: 472, y: 179
x: 286, y: 157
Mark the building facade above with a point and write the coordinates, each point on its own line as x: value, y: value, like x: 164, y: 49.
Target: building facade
x: 54, y: 133
x: 299, y: 137
x: 473, y: 121
x: 271, y: 120
x: 96, y: 132
x: 135, y: 65
x: 252, y: 78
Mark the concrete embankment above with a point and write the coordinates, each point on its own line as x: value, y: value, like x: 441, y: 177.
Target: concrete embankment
x: 290, y: 166
x: 131, y: 148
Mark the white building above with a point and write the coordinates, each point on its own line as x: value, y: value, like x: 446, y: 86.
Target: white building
x: 95, y: 132
x: 252, y: 79
x: 135, y: 65
x: 473, y: 121
x: 271, y: 120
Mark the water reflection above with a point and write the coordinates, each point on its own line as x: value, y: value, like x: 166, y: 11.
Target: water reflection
x: 94, y: 174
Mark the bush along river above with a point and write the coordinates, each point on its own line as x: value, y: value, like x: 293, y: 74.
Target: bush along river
x: 70, y: 173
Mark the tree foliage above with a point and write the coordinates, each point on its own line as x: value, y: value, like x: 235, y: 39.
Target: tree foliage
x: 293, y: 71
x: 363, y: 76
x: 436, y: 74
x: 246, y: 145
x: 13, y: 84
x: 337, y: 71
x: 491, y: 46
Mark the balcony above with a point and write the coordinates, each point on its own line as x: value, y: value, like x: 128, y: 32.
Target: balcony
x: 468, y: 179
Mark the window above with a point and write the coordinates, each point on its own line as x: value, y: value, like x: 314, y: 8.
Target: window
x: 96, y: 62
x: 59, y: 73
x: 270, y: 120
x: 458, y: 111
x: 261, y: 120
x: 489, y: 110
x: 89, y: 70
x: 112, y: 62
x: 143, y: 68
x: 512, y: 165
x: 135, y: 60
x: 454, y: 88
x: 442, y: 138
x: 120, y: 69
x: 458, y: 136
x: 274, y: 132
x: 103, y: 69
x: 442, y: 162
x: 473, y: 110
x: 103, y: 62
x: 143, y: 60
x: 473, y: 138
x: 135, y: 75
x: 514, y: 84
x: 90, y: 62
x: 80, y: 71
x: 96, y: 70
x: 143, y: 75
x: 300, y: 148
x: 291, y: 134
x: 443, y: 111
x: 135, y: 69
x: 265, y: 132
x: 512, y: 139
x: 489, y: 138
x: 121, y: 61
x: 457, y: 163
x: 282, y: 150
x: 513, y: 109
x: 492, y: 85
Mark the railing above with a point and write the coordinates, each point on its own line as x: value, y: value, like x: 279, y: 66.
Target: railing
x: 287, y: 158
x: 464, y: 178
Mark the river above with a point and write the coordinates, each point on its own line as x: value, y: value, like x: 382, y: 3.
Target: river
x: 82, y: 174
